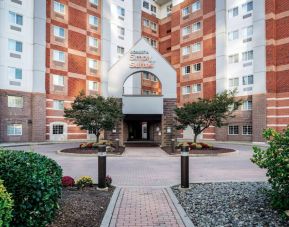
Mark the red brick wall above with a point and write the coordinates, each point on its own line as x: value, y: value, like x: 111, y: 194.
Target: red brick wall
x: 75, y: 69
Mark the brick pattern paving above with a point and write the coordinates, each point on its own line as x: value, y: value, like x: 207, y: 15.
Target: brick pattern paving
x: 147, y: 207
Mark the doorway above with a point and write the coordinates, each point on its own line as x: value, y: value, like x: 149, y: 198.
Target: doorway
x: 138, y: 130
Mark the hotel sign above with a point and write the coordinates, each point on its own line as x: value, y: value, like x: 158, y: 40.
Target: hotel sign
x: 140, y: 59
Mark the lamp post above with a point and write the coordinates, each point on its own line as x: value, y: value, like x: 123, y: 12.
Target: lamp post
x: 101, y: 167
x: 117, y: 145
x: 185, y: 167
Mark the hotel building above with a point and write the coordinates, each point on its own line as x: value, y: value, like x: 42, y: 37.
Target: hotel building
x: 53, y: 49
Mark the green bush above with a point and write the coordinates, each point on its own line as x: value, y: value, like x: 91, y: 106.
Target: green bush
x: 6, y: 204
x: 85, y: 181
x: 276, y: 160
x: 35, y: 184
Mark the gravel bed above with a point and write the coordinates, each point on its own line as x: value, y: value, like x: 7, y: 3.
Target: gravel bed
x: 230, y: 204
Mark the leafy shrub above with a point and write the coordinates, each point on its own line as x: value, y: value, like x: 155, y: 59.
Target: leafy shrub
x: 6, y: 204
x: 83, y: 145
x: 108, y: 181
x: 193, y: 145
x: 199, y: 146
x: 35, y: 184
x: 89, y: 145
x: 276, y: 160
x: 67, y: 181
x: 84, y: 181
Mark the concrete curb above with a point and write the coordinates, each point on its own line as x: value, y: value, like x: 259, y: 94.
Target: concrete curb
x: 186, y: 220
x: 236, y: 152
x: 41, y: 143
x: 111, y: 206
x: 85, y: 155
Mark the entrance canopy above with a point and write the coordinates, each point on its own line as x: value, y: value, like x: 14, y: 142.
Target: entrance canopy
x: 142, y: 57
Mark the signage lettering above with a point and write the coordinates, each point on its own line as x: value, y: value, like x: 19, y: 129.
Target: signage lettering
x: 140, y: 59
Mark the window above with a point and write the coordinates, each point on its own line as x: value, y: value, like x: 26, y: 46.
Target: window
x: 15, y: 101
x: 247, y: 7
x: 146, y: 5
x: 146, y: 76
x: 186, y: 50
x: 196, y: 47
x: 247, y: 80
x: 154, y: 78
x: 233, y: 35
x: 92, y: 64
x: 233, y: 130
x: 58, y: 7
x: 15, y: 18
x: 196, y: 88
x: 186, y: 11
x: 146, y: 23
x: 169, y: 8
x: 58, y: 56
x: 153, y: 26
x: 58, y: 80
x: 146, y: 92
x: 15, y: 74
x: 94, y: 2
x: 234, y: 82
x: 248, y: 32
x: 58, y: 105
x: 15, y: 46
x: 153, y: 43
x: 233, y: 12
x: 186, y: 30
x: 93, y: 21
x: 58, y: 129
x: 196, y: 6
x: 247, y: 105
x: 186, y: 69
x: 186, y: 90
x: 197, y: 67
x: 59, y: 32
x: 121, y: 31
x: 233, y: 58
x: 120, y: 11
x: 93, y: 42
x: 153, y: 9
x: 247, y: 130
x: 196, y: 26
x: 92, y: 85
x: 14, y: 130
x: 120, y: 50
x: 248, y: 55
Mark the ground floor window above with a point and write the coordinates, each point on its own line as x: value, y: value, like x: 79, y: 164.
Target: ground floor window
x: 14, y: 130
x: 233, y: 130
x: 247, y: 130
x: 58, y: 129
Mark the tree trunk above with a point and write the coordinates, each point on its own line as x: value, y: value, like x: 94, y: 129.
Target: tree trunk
x: 195, y: 137
x: 97, y: 137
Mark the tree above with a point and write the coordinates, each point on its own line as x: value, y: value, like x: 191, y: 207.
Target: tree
x: 204, y: 113
x: 94, y: 113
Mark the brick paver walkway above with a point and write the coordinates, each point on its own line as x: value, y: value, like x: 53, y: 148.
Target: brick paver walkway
x: 145, y: 207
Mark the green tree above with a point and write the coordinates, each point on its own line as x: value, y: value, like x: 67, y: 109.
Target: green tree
x: 94, y: 113
x: 204, y: 113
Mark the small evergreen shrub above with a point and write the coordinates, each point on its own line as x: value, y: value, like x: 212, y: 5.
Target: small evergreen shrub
x: 35, y: 184
x: 84, y: 181
x: 276, y: 160
x: 6, y: 205
x: 67, y: 181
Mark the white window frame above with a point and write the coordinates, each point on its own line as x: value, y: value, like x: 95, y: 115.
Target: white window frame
x: 186, y: 30
x: 186, y: 50
x: 195, y: 69
x: 59, y: 7
x: 196, y: 6
x: 57, y: 33
x: 234, y: 82
x: 58, y: 56
x: 12, y: 74
x: 15, y: 101
x: 93, y: 20
x: 186, y: 90
x: 186, y: 11
x: 58, y: 80
x: 196, y: 47
x: 92, y: 64
x: 58, y: 105
x: 12, y: 45
x: 16, y: 128
x: 93, y: 42
x: 94, y: 2
x: 186, y: 70
x: 232, y: 12
x: 196, y: 26
x: 248, y: 55
x: 120, y: 11
x: 13, y: 18
x: 233, y: 58
x: 233, y: 134
x: 233, y: 35
x: 92, y: 85
x: 196, y: 88
x: 246, y: 129
x: 246, y: 106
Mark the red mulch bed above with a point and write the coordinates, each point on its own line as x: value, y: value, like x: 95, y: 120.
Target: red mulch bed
x: 82, y: 207
x: 89, y: 151
x: 213, y: 151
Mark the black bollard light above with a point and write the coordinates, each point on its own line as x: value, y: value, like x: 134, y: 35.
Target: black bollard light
x: 173, y: 146
x: 117, y: 145
x: 101, y: 166
x: 185, y: 167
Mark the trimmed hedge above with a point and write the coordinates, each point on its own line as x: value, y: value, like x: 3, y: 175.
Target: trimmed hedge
x: 35, y: 184
x: 6, y: 204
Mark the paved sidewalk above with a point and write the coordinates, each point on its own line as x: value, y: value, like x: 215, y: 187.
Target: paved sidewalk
x: 146, y: 207
x: 144, y: 152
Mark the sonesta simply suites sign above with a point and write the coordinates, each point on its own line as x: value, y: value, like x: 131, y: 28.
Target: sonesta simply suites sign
x: 140, y: 59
